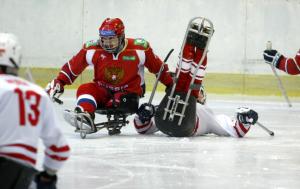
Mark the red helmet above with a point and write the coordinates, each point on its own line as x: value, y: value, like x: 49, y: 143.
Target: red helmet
x: 112, y: 36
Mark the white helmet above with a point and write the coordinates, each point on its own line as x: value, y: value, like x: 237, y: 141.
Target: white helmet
x: 10, y: 50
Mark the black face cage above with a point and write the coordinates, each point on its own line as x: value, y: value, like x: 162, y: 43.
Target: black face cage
x: 121, y: 43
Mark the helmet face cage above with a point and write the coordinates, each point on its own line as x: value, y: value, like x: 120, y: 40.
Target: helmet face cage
x: 10, y: 51
x: 112, y: 36
x: 110, y: 43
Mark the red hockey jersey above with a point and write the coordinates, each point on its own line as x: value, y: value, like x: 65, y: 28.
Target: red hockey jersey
x: 122, y: 71
x: 290, y: 65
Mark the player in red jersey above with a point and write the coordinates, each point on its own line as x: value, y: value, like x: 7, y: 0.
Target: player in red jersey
x: 288, y: 65
x: 118, y: 63
x: 26, y: 114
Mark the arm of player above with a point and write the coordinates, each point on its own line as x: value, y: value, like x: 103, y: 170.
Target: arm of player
x: 148, y: 127
x: 69, y: 72
x: 153, y: 64
x: 290, y: 65
x: 57, y: 149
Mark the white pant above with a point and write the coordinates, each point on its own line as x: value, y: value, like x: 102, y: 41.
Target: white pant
x: 207, y: 122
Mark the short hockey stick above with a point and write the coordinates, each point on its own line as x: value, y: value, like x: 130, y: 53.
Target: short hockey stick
x: 158, y: 76
x: 280, y: 85
x: 57, y: 100
x: 265, y: 128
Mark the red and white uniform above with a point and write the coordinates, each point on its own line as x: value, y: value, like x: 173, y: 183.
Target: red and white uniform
x: 27, y: 114
x: 122, y: 72
x: 206, y: 123
x: 290, y: 65
x: 190, y: 59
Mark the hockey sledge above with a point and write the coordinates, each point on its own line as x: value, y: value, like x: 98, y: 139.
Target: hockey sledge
x: 172, y: 109
x: 116, y: 117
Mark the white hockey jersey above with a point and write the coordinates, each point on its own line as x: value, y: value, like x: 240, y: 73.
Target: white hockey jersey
x: 27, y: 114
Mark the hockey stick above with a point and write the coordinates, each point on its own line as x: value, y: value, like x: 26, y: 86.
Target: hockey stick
x: 265, y: 128
x: 158, y: 76
x: 29, y: 77
x: 57, y: 100
x: 280, y: 85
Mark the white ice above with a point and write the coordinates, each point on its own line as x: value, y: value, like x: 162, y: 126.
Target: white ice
x: 135, y: 161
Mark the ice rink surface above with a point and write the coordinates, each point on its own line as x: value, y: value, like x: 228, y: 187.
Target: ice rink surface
x: 135, y: 161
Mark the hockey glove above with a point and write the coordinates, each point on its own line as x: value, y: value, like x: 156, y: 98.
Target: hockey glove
x: 45, y: 181
x: 272, y: 57
x: 247, y: 116
x: 115, y: 101
x: 146, y: 112
x: 54, y: 89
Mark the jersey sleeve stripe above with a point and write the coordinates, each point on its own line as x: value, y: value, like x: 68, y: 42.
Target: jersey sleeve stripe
x: 59, y: 149
x: 69, y: 66
x: 295, y: 62
x: 56, y: 157
x: 141, y: 126
x: 19, y: 156
x: 67, y: 76
x: 27, y: 147
x: 236, y: 130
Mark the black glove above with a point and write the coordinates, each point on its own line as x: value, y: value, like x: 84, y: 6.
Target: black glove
x: 45, y: 181
x: 247, y: 115
x: 272, y: 57
x: 146, y: 112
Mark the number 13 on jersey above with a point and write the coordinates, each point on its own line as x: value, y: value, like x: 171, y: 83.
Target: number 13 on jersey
x: 33, y: 100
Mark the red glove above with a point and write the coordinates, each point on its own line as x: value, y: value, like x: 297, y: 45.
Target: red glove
x: 115, y: 101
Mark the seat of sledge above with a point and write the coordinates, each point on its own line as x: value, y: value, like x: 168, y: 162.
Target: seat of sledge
x: 116, y: 116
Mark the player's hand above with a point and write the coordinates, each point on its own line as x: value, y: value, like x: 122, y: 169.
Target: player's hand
x: 55, y: 88
x: 246, y: 115
x: 201, y: 96
x: 145, y: 112
x: 272, y: 57
x: 115, y: 101
x: 44, y: 180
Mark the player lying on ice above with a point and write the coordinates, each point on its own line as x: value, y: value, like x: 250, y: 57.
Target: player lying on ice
x: 199, y: 119
x: 118, y: 63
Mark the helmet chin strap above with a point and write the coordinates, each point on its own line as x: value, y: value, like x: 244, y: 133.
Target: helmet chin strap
x: 120, y: 47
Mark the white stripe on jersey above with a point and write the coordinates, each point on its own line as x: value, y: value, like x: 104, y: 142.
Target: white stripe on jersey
x: 142, y: 58
x: 67, y: 76
x: 69, y: 66
x: 185, y: 66
x: 296, y: 64
x: 89, y: 56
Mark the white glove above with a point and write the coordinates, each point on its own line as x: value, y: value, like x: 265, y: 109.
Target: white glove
x: 54, y: 89
x: 202, y: 96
